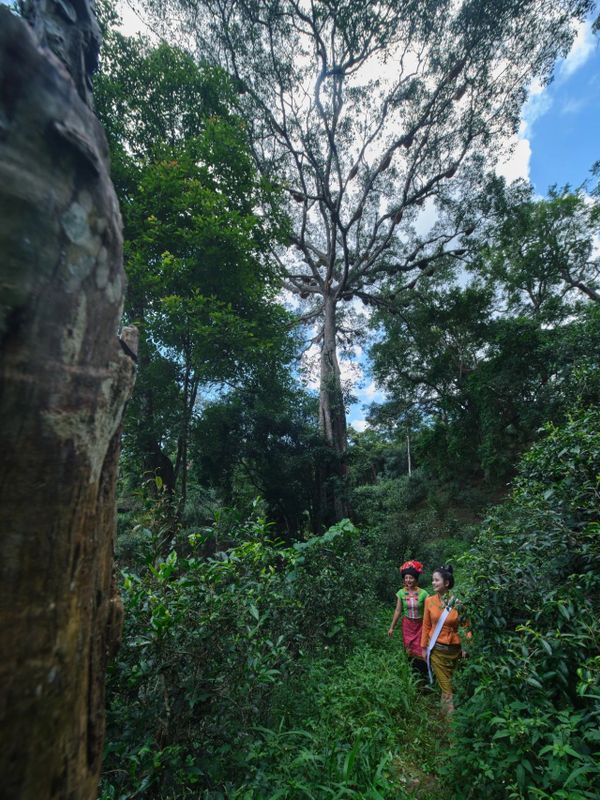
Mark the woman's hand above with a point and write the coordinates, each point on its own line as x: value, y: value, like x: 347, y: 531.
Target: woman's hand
x: 425, y: 653
x: 391, y: 632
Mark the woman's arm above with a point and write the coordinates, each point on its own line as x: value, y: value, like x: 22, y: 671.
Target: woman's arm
x: 422, y: 598
x: 426, y: 630
x: 397, y: 613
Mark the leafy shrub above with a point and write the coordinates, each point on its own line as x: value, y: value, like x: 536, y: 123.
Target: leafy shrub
x: 339, y: 729
x: 529, y: 722
x: 206, y: 643
x: 401, y: 521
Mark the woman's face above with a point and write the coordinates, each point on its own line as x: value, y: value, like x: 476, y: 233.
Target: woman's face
x: 410, y: 581
x: 438, y: 583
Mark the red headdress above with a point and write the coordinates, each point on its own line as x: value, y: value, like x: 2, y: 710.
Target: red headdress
x: 416, y: 565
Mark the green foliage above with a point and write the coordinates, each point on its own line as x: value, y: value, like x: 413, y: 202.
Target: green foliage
x: 208, y: 640
x: 528, y: 724
x: 475, y: 386
x: 473, y: 371
x: 201, y: 285
x: 540, y: 252
x: 264, y: 440
x: 344, y: 725
x: 405, y: 518
x: 230, y: 682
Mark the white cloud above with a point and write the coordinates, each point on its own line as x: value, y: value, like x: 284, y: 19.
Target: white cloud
x: 370, y: 391
x: 310, y: 366
x: 539, y: 101
x: 131, y: 19
x: 427, y: 218
x: 517, y: 164
x: 573, y: 106
x: 581, y: 50
x: 359, y: 425
x: 351, y: 371
x: 537, y: 104
x: 289, y: 299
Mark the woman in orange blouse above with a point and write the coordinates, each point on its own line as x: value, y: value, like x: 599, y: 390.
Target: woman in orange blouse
x: 447, y: 649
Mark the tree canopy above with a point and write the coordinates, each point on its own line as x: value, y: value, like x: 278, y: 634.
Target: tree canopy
x: 481, y: 355
x: 364, y: 114
x: 200, y: 284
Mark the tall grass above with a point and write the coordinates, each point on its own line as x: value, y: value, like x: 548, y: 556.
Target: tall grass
x: 360, y: 727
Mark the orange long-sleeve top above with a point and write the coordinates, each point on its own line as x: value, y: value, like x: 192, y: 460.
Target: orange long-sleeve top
x: 431, y: 614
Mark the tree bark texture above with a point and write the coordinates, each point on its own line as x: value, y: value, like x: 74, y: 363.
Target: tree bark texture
x: 64, y: 379
x: 332, y: 413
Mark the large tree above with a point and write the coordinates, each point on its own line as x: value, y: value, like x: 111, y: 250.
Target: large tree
x: 367, y: 111
x: 65, y: 377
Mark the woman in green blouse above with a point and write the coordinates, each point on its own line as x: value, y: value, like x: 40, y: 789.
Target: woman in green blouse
x: 410, y: 606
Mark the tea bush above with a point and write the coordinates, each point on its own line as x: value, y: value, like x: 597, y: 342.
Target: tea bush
x: 343, y: 729
x: 529, y: 724
x: 206, y: 643
x: 402, y: 520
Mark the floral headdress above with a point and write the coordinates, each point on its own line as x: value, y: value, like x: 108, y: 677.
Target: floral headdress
x: 412, y: 568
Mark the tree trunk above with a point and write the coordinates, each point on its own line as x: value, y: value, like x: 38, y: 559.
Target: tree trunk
x: 332, y: 413
x: 190, y: 393
x: 155, y: 463
x: 65, y: 377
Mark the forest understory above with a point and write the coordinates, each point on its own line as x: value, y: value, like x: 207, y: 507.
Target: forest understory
x: 264, y: 670
x: 244, y: 208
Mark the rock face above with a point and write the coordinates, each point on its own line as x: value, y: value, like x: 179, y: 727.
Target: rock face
x: 64, y: 379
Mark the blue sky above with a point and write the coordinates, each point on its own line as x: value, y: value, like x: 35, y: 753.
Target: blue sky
x: 565, y: 138
x: 558, y: 142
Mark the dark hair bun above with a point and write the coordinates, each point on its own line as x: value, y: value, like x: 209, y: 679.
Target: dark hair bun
x: 447, y: 574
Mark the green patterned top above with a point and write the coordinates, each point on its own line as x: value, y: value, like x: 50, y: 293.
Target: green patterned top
x: 412, y: 606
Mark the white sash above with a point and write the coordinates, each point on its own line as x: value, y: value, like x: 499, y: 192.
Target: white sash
x: 434, y: 637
